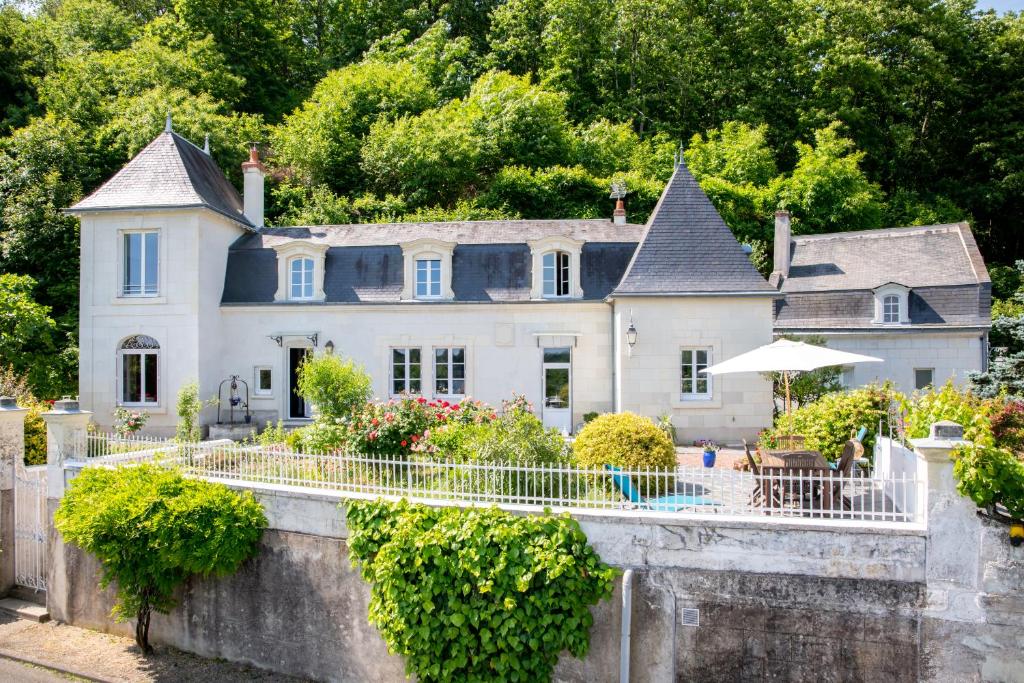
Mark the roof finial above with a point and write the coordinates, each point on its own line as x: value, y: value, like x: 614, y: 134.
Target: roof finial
x: 167, y: 123
x: 206, y: 145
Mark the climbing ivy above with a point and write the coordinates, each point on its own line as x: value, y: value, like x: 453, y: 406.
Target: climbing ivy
x: 477, y: 594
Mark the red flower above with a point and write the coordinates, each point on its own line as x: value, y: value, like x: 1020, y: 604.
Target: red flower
x: 455, y: 407
x: 405, y: 443
x: 375, y: 422
x: 415, y: 438
x: 494, y: 416
x: 421, y: 400
x: 372, y: 436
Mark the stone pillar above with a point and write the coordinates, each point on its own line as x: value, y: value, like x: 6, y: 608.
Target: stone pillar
x: 12, y: 447
x: 66, y: 427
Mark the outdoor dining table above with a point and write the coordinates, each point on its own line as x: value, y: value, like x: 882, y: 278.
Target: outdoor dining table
x: 783, y: 471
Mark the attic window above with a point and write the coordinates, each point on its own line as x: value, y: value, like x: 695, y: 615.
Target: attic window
x: 891, y: 304
x: 300, y: 271
x: 556, y: 274
x: 556, y: 268
x: 427, y: 270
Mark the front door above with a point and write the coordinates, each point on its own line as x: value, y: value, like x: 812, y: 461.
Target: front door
x: 298, y: 408
x: 557, y: 408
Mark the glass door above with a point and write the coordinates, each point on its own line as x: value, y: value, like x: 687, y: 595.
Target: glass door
x: 557, y: 408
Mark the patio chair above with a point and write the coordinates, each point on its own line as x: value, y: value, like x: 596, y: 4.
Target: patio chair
x: 673, y: 503
x: 757, y: 496
x: 853, y: 450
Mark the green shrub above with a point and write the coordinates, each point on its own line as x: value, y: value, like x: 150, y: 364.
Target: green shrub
x: 629, y: 441
x: 151, y: 528
x: 336, y: 386
x: 272, y: 435
x: 826, y: 424
x: 517, y: 436
x: 991, y: 476
x: 590, y: 417
x: 189, y: 406
x: 476, y: 594
x: 973, y: 413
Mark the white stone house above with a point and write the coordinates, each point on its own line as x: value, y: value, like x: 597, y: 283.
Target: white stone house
x: 181, y: 281
x: 919, y: 298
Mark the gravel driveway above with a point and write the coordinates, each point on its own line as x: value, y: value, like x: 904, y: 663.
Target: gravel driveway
x: 113, y: 658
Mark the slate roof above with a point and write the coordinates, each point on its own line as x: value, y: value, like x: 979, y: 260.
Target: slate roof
x: 832, y: 279
x: 923, y: 256
x: 170, y: 172
x: 460, y: 232
x: 490, y: 263
x: 689, y: 250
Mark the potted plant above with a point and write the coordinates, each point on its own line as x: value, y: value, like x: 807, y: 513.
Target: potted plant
x: 710, y: 451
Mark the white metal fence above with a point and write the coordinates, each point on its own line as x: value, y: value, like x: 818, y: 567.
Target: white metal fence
x: 684, y: 490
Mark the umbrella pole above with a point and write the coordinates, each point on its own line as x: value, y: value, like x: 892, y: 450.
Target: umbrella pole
x: 789, y: 405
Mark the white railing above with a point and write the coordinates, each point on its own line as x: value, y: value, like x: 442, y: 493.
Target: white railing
x: 685, y: 490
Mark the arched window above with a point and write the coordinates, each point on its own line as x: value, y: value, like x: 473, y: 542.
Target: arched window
x: 139, y: 360
x: 301, y: 286
x: 556, y: 274
x: 891, y: 308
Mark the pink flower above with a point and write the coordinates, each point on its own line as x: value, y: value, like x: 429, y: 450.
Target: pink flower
x: 415, y: 438
x: 390, y: 417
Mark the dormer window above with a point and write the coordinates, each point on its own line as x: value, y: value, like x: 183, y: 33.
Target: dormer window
x: 891, y: 304
x: 300, y: 271
x: 556, y: 268
x: 301, y: 288
x: 891, y: 309
x: 428, y: 278
x: 556, y: 274
x: 427, y: 270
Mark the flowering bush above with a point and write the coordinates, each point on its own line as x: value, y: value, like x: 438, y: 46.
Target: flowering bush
x: 127, y: 422
x: 1008, y: 426
x: 397, y: 427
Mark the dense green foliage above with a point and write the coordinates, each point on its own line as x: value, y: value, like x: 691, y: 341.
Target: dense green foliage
x: 151, y: 528
x: 827, y: 423
x: 336, y: 386
x: 15, y: 386
x: 851, y: 113
x: 477, y: 594
x: 967, y: 409
x: 188, y: 407
x: 991, y: 476
x: 28, y: 338
x: 1005, y: 373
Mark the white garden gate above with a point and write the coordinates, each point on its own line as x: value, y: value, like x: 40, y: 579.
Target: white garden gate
x: 30, y: 526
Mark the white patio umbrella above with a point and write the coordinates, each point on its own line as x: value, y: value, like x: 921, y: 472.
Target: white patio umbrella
x: 787, y: 356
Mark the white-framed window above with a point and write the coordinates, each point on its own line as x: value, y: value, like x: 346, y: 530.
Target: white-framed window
x: 450, y: 371
x: 300, y: 283
x: 263, y: 380
x: 891, y: 308
x: 693, y: 383
x: 300, y: 271
x: 924, y: 378
x: 892, y: 304
x: 427, y: 270
x: 141, y: 263
x: 428, y: 278
x: 406, y: 371
x: 557, y: 270
x: 139, y: 368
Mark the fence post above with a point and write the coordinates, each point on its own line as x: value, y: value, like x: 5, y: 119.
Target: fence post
x: 66, y: 427
x: 12, y: 447
x: 954, y: 530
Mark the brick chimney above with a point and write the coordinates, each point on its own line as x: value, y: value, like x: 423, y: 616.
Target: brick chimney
x: 619, y: 215
x: 253, y: 173
x: 782, y: 243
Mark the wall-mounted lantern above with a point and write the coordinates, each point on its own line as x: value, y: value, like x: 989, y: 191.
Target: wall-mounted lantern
x: 631, y: 334
x: 329, y: 347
